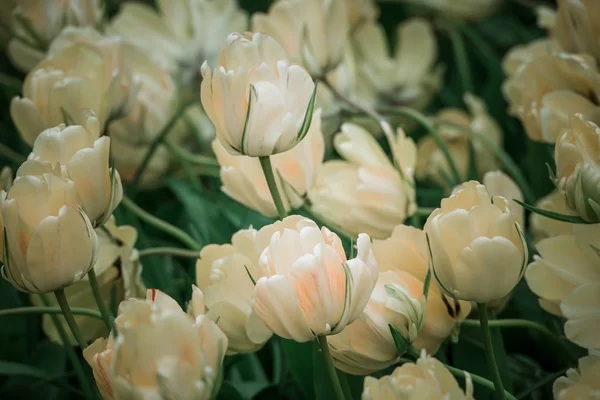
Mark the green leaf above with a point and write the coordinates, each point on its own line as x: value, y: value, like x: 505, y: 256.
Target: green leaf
x: 229, y: 392
x: 552, y: 215
x: 300, y: 361
x: 322, y: 383
x: 426, y: 284
x: 400, y: 342
x: 13, y: 368
x: 248, y: 112
x: 308, y: 115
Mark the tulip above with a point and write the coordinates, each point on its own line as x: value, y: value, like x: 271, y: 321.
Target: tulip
x: 181, y: 34
x: 224, y: 273
x: 118, y: 269
x: 577, y: 29
x: 580, y: 308
x: 409, y: 77
x: 83, y: 157
x: 498, y: 183
x: 545, y: 92
x: 312, y: 32
x: 35, y: 24
x: 6, y: 179
x: 431, y: 163
x: 520, y: 55
x: 543, y: 227
x: 366, y: 193
x: 160, y: 351
x: 259, y: 103
x: 367, y: 345
x: 564, y: 263
x: 428, y: 379
x: 307, y: 287
x: 581, y: 382
x: 577, y: 156
x: 84, y: 73
x: 478, y: 249
x: 296, y: 172
x: 50, y: 243
x: 361, y: 11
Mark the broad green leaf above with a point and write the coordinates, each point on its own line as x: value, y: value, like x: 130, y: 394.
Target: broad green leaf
x: 299, y: 357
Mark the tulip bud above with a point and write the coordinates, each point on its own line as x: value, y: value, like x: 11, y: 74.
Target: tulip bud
x: 366, y: 193
x: 427, y: 379
x: 313, y: 32
x: 307, y: 287
x: 118, y: 270
x: 35, y: 23
x: 367, y: 345
x: 409, y: 77
x: 180, y: 35
x: 581, y: 382
x: 49, y: 242
x: 83, y: 70
x: 478, y: 249
x: 259, y: 103
x: 83, y: 157
x: 160, y: 352
x: 578, y: 167
x: 225, y: 273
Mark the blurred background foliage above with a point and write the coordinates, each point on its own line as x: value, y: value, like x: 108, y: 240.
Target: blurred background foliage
x: 33, y: 367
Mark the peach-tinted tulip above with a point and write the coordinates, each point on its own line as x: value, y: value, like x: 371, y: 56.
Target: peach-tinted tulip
x: 308, y: 288
x: 579, y: 383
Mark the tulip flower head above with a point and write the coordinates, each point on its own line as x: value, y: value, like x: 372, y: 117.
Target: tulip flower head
x: 259, y: 103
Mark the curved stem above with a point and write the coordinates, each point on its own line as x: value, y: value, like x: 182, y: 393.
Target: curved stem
x: 337, y: 387
x: 192, y: 158
x: 265, y: 163
x: 460, y: 57
x: 429, y: 126
x: 48, y: 310
x: 489, y: 351
x: 522, y: 323
x: 160, y: 224
x: 168, y: 251
x: 75, y: 361
x: 106, y: 315
x: 64, y: 306
x: 476, y: 379
x: 157, y: 141
x: 506, y: 160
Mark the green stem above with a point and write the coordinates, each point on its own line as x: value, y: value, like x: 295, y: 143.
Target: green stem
x: 75, y: 361
x: 169, y: 251
x: 11, y: 155
x: 489, y: 351
x: 339, y: 393
x: 460, y: 57
x: 192, y: 158
x: 160, y: 224
x: 106, y: 315
x: 345, y: 385
x: 157, y: 141
x: 48, y: 310
x: 504, y: 158
x: 64, y: 306
x: 430, y: 127
x: 265, y: 163
x: 476, y: 379
x: 521, y: 323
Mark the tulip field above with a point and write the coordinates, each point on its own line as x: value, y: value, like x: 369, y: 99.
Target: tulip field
x: 300, y: 199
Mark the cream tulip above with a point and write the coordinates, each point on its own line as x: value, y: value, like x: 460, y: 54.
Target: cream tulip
x: 545, y: 92
x: 49, y: 243
x: 579, y: 383
x: 312, y: 32
x: 543, y: 227
x: 160, y: 351
x: 6, y: 178
x: 224, y: 273
x: 577, y: 28
x: 427, y: 379
x: 35, y: 23
x: 361, y: 11
x: 181, y: 34
x: 366, y: 193
x: 74, y: 76
x: 366, y: 345
x: 307, y: 287
x: 431, y: 162
x: 581, y: 308
x: 577, y: 156
x: 409, y: 76
x: 259, y: 103
x: 118, y: 269
x: 83, y: 157
x: 295, y: 170
x: 520, y: 55
x: 498, y: 183
x: 564, y: 263
x: 478, y: 249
